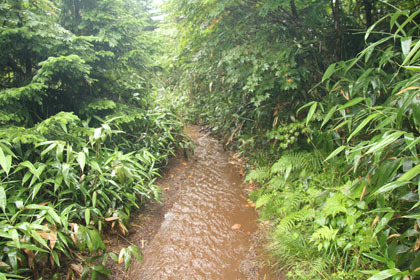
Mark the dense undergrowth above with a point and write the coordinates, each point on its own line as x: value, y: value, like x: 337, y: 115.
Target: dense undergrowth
x: 323, y: 98
x: 82, y: 133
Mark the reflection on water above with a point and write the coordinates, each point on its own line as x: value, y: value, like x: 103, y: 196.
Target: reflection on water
x: 196, y: 239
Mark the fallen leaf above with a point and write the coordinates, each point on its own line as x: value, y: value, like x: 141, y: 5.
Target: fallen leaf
x: 393, y: 235
x: 121, y: 259
x: 30, y: 258
x: 375, y: 221
x: 51, y: 236
x: 417, y: 245
x: 112, y: 219
x: 236, y: 226
x: 78, y: 268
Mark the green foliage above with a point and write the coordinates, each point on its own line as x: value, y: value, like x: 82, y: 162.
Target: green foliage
x: 363, y: 225
x: 329, y: 118
x: 67, y: 177
x: 82, y: 137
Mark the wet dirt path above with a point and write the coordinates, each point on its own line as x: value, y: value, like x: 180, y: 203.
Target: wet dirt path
x: 205, y: 233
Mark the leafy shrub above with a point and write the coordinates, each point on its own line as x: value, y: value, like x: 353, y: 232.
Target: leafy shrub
x: 62, y: 182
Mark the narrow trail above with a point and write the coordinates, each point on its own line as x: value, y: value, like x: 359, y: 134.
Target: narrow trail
x: 206, y: 231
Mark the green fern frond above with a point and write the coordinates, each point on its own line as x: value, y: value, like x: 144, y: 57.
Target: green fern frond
x: 281, y: 166
x: 335, y: 204
x: 276, y: 182
x: 297, y: 161
x: 293, y: 200
x: 263, y: 200
x: 324, y: 233
x: 259, y: 175
x: 289, y: 221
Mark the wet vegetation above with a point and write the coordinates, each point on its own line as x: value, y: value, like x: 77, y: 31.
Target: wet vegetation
x: 82, y: 133
x: 321, y: 96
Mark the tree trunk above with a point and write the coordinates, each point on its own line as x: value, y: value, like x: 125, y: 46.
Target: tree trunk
x: 335, y: 5
x: 369, y: 4
x: 294, y: 11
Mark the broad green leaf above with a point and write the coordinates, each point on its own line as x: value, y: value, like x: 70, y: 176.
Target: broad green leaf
x: 411, y: 53
x: 127, y: 259
x: 304, y: 106
x: 411, y: 142
x: 336, y: 152
x: 352, y: 102
x: 136, y: 252
x: 383, y: 222
x: 311, y: 112
x: 413, y: 68
x: 330, y: 70
x: 113, y: 256
x: 412, y: 216
x: 32, y: 247
x: 405, y: 45
x: 362, y: 125
x: 329, y: 115
x: 367, y: 50
x: 376, y: 257
x: 35, y: 190
x: 385, y: 274
x: 3, y: 198
x: 389, y: 139
x: 101, y: 269
x: 346, y: 122
x: 87, y: 216
x: 81, y: 159
x: 15, y: 237
x: 410, y: 174
x: 97, y: 133
x: 94, y: 198
x: 394, y: 18
x: 30, y: 166
x: 54, y: 215
x: 49, y: 148
x: 59, y: 151
x: 5, y: 161
x: 391, y: 186
x: 55, y: 257
x: 370, y: 29
x: 408, y: 20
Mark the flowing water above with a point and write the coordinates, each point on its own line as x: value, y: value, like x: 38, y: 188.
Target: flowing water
x: 199, y: 238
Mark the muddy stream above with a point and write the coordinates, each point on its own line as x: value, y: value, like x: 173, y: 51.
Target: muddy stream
x: 205, y: 233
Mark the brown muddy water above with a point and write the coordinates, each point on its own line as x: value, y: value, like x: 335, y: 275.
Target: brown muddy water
x: 206, y: 232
